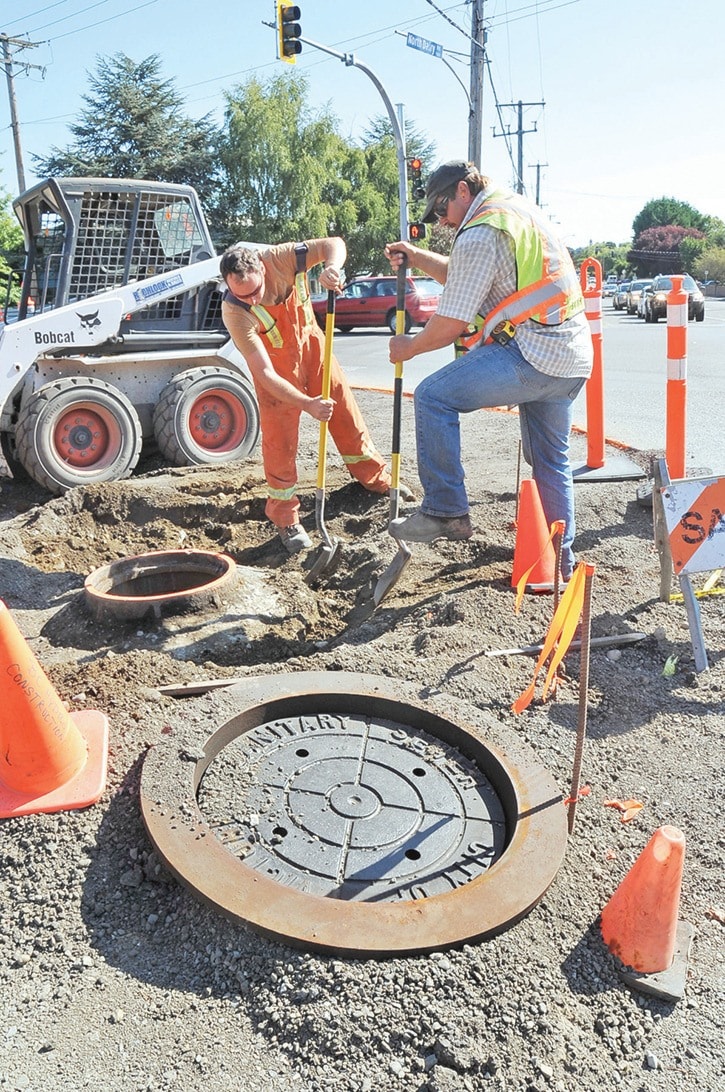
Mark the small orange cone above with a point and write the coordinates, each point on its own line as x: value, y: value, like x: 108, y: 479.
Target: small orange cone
x: 50, y: 759
x: 639, y: 923
x: 533, y: 549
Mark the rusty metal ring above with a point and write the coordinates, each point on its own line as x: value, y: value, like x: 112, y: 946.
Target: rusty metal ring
x: 487, y: 905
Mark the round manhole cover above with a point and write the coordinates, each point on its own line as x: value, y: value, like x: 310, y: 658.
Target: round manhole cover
x: 341, y: 813
x: 354, y: 806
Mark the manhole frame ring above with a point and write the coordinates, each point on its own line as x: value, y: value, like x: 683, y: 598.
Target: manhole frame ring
x: 103, y: 604
x: 486, y: 906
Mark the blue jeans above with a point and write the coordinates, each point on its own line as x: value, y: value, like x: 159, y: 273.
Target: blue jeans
x: 497, y: 375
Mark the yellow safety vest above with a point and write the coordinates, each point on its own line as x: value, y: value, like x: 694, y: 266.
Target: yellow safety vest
x: 547, y: 287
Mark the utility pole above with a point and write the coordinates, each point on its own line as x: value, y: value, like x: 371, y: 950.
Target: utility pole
x: 478, y: 61
x: 538, y: 180
x: 520, y: 134
x: 21, y: 43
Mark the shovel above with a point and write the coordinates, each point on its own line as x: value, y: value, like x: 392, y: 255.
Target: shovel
x: 330, y: 547
x: 392, y: 574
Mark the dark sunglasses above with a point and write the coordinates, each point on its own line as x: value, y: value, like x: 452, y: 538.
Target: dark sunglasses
x: 440, y: 208
x: 248, y: 295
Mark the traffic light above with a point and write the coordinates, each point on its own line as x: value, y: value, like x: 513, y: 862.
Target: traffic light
x: 416, y: 231
x: 288, y: 31
x: 416, y: 180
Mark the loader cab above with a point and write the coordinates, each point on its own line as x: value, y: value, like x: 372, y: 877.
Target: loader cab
x: 85, y: 236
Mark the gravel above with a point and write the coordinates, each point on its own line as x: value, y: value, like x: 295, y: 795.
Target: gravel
x: 115, y: 976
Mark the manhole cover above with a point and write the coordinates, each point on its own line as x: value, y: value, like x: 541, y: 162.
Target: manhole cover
x: 353, y: 807
x: 341, y: 813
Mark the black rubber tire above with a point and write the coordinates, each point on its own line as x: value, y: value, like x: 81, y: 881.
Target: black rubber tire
x: 206, y: 416
x: 391, y: 321
x: 648, y: 316
x: 700, y: 316
x: 59, y: 416
x: 654, y: 315
x: 10, y: 453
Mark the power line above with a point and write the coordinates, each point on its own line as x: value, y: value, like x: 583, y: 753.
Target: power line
x: 65, y: 18
x: 48, y: 7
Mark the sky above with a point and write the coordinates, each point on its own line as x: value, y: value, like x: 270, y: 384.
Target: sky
x: 633, y: 93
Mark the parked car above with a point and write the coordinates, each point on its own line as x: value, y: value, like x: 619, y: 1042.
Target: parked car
x: 608, y: 289
x: 655, y: 300
x: 635, y: 291
x: 619, y: 299
x: 371, y: 301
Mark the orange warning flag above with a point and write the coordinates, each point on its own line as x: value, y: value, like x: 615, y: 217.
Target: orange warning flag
x: 559, y: 636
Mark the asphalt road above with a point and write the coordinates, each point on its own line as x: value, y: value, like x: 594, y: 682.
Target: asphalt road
x: 635, y: 380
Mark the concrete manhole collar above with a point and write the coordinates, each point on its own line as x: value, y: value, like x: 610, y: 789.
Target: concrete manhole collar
x: 339, y: 812
x: 160, y: 582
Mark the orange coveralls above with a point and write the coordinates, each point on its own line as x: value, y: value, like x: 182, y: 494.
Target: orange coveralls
x: 295, y: 345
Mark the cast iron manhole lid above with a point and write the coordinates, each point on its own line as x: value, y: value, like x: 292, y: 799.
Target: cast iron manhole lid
x: 341, y: 813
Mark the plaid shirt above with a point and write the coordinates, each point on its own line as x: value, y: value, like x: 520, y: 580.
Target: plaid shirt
x: 482, y: 273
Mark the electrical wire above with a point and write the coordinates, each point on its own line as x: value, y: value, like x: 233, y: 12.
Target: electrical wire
x: 65, y: 18
x: 48, y: 7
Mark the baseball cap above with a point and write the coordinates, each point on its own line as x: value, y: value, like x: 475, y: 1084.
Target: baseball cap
x: 441, y: 179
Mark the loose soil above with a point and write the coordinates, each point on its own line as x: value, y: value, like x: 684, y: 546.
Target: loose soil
x: 116, y: 977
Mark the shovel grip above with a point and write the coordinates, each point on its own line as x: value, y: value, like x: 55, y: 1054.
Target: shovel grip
x: 326, y: 373
x: 402, y: 278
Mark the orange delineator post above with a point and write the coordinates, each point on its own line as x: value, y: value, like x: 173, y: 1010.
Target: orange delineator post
x: 595, y: 383
x: 676, y: 378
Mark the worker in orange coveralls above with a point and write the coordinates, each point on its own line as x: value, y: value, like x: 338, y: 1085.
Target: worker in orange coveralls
x: 268, y: 313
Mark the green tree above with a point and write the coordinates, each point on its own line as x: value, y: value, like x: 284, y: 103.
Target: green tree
x: 280, y: 165
x: 288, y: 174
x: 12, y: 253
x: 710, y: 265
x: 690, y: 250
x: 382, y: 215
x: 133, y: 127
x: 611, y: 256
x: 663, y: 211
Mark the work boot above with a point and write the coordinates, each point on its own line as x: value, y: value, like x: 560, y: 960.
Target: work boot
x: 406, y: 495
x: 295, y: 538
x: 421, y: 527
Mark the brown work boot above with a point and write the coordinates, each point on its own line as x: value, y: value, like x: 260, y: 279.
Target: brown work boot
x: 295, y: 538
x: 420, y: 527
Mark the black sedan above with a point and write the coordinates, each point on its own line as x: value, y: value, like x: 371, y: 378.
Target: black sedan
x: 655, y: 299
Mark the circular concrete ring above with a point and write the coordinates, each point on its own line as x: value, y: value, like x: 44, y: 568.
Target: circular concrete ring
x: 490, y: 903
x: 161, y: 582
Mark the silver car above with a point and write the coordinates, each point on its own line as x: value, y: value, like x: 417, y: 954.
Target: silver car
x: 635, y: 291
x: 619, y: 299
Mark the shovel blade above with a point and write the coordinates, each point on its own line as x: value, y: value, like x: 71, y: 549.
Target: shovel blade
x: 327, y: 559
x: 391, y: 576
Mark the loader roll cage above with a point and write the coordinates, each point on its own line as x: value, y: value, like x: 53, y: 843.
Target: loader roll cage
x: 85, y: 236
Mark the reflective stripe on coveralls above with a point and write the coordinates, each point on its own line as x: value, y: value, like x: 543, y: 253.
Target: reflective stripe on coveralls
x: 295, y: 345
x: 548, y: 291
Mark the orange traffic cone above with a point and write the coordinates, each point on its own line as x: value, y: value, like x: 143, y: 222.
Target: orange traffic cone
x: 50, y: 759
x: 639, y: 923
x: 533, y: 549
